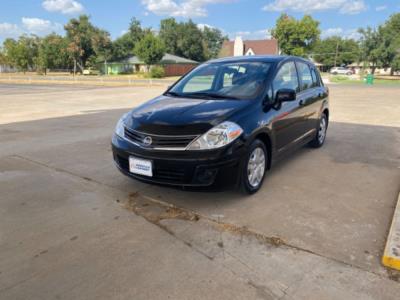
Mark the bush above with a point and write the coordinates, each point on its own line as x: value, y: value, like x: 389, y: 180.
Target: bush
x: 157, y: 72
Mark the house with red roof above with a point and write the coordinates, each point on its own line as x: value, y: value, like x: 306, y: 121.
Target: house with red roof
x: 240, y: 47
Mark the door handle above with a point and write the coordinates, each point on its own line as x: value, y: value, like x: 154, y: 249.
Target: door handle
x: 301, y: 102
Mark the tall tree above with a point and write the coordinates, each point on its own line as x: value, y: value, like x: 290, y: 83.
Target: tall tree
x: 124, y: 46
x: 169, y: 35
x: 52, y: 53
x: 3, y: 58
x: 184, y: 39
x: 136, y: 32
x: 296, y: 37
x: 389, y: 48
x: 213, y: 40
x: 336, y: 51
x: 369, y: 44
x: 85, y: 41
x: 22, y: 53
x: 150, y: 49
x: 102, y: 45
x: 190, y: 43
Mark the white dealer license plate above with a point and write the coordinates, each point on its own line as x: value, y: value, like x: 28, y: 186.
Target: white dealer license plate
x: 140, y: 166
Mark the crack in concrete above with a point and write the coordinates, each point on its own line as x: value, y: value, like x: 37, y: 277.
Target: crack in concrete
x: 244, y: 231
x: 175, y: 212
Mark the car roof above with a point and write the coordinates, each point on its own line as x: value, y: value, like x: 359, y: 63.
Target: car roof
x: 258, y: 58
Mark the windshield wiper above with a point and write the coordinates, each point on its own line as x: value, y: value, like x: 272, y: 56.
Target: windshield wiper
x: 173, y: 94
x: 211, y: 96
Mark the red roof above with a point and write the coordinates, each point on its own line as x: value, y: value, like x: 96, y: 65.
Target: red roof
x: 259, y: 47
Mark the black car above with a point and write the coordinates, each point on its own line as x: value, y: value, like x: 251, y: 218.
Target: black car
x: 226, y: 121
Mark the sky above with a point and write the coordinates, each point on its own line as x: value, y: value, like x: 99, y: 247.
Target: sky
x: 250, y: 19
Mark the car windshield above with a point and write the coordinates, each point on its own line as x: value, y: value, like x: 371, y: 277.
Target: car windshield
x: 236, y: 81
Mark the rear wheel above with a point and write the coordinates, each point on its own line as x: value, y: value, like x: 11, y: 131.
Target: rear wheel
x: 320, y: 136
x: 254, y: 167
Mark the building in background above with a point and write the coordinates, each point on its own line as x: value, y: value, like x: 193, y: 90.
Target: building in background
x: 240, y: 47
x: 173, y: 65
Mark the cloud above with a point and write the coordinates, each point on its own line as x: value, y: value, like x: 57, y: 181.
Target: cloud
x: 40, y: 26
x: 380, y: 8
x: 251, y: 35
x: 186, y: 8
x: 201, y: 26
x: 8, y: 30
x: 63, y: 6
x: 338, y: 31
x: 36, y: 26
x: 344, y: 6
x: 353, y: 7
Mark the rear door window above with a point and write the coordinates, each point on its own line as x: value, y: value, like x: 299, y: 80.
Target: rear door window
x: 306, y: 80
x: 315, y: 78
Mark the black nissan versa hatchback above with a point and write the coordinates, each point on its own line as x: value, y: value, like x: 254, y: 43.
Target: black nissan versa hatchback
x: 226, y: 121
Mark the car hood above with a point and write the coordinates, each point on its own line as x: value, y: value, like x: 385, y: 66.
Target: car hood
x: 179, y: 116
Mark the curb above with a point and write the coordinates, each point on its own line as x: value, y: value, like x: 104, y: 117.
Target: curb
x: 391, y: 255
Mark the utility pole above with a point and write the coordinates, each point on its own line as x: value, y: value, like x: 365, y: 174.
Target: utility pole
x: 336, y: 53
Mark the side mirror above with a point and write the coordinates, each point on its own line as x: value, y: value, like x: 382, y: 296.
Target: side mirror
x: 285, y: 95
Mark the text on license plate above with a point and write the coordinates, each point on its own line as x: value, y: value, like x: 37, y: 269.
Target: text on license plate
x: 140, y: 166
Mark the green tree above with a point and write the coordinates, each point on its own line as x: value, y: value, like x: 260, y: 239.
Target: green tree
x: 150, y: 49
x: 213, y: 40
x: 9, y: 51
x: 389, y: 50
x: 85, y: 41
x: 369, y: 44
x: 381, y: 47
x: 335, y: 51
x: 102, y: 45
x: 52, y: 53
x: 169, y: 34
x: 296, y: 37
x: 190, y: 43
x: 124, y: 46
x: 3, y: 58
x: 22, y: 53
x: 184, y: 39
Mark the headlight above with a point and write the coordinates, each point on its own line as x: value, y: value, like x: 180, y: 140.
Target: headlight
x: 120, y: 128
x: 217, y: 137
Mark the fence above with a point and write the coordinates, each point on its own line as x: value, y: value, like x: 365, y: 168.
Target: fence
x: 84, y: 80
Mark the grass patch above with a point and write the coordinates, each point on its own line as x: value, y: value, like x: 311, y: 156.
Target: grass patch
x: 351, y: 80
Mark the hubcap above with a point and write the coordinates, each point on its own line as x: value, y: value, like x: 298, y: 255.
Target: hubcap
x: 256, y: 167
x: 322, y: 131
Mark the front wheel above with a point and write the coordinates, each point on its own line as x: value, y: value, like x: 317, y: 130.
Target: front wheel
x: 254, y: 167
x: 319, y: 138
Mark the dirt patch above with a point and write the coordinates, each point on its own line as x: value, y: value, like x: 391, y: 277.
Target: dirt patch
x: 394, y: 275
x: 155, y: 211
x: 243, y: 230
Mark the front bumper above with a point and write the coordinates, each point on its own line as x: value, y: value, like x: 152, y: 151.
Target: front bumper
x: 182, y: 168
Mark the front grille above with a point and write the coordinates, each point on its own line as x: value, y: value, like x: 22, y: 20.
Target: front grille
x: 171, y: 174
x: 159, y: 141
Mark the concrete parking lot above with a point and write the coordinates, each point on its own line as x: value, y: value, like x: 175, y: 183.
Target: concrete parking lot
x: 71, y: 226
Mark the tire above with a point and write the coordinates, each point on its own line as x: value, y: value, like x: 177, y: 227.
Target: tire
x: 248, y: 183
x: 349, y: 73
x: 320, y: 136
